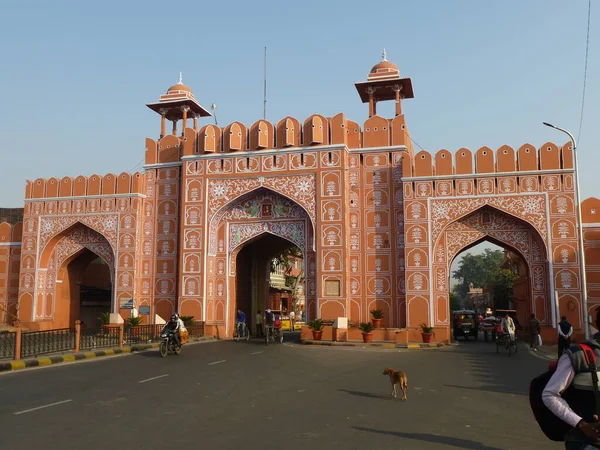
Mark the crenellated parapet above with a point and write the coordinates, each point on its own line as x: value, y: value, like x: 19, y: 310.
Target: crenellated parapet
x: 289, y: 132
x: 81, y: 186
x: 485, y: 160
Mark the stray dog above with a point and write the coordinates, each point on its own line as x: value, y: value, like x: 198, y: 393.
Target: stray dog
x: 397, y: 378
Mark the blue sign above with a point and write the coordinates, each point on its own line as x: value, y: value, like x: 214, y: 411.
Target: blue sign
x: 128, y: 304
x: 145, y: 310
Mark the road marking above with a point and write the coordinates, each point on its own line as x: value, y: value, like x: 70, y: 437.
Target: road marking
x: 256, y: 353
x: 42, y: 407
x: 154, y: 378
x: 217, y: 362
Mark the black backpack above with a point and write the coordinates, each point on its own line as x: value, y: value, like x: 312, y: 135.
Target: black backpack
x: 553, y: 427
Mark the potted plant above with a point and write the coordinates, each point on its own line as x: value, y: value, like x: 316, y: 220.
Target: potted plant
x: 188, y: 320
x: 104, y: 320
x: 426, y: 333
x: 134, y: 329
x: 317, y: 328
x: 377, y: 317
x: 367, y: 331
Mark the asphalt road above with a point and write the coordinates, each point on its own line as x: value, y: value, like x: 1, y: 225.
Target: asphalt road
x: 229, y: 395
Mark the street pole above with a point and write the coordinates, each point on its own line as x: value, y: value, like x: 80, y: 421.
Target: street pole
x: 580, y: 227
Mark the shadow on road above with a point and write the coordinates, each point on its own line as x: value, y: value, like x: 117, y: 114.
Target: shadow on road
x: 366, y: 394
x: 497, y: 372
x: 487, y: 389
x: 432, y: 438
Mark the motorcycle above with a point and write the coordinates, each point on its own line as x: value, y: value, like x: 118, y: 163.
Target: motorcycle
x: 168, y: 344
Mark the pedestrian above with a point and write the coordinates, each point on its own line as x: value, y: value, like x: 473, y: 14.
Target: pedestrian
x: 292, y: 317
x: 578, y: 409
x: 534, y: 332
x: 565, y: 330
x: 259, y: 324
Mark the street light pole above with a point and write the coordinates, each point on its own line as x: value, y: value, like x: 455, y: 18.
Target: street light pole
x: 580, y: 227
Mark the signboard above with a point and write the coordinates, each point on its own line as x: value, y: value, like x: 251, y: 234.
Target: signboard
x: 145, y: 310
x: 128, y: 304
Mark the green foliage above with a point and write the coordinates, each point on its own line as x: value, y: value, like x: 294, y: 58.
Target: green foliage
x: 477, y: 269
x: 454, y: 302
x: 377, y: 314
x: 104, y: 318
x: 502, y: 283
x: 134, y: 321
x: 426, y: 329
x: 187, y: 320
x: 366, y: 327
x: 285, y: 259
x: 316, y: 325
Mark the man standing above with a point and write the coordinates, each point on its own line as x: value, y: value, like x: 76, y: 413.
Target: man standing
x: 292, y: 317
x: 259, y: 324
x: 565, y: 330
x: 534, y: 332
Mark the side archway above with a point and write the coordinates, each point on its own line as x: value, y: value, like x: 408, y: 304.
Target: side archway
x: 494, y: 225
x: 76, y: 270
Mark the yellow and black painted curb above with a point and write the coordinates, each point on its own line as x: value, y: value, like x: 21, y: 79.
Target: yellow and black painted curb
x: 374, y: 344
x: 7, y: 366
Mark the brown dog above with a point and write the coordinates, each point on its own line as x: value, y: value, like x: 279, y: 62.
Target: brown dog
x: 397, y: 378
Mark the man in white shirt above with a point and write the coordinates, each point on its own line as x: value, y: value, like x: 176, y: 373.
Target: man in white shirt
x: 508, y: 325
x: 292, y: 317
x: 580, y: 411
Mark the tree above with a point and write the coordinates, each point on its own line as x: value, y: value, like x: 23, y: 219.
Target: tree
x: 502, y: 287
x: 454, y: 302
x: 286, y: 260
x: 477, y: 269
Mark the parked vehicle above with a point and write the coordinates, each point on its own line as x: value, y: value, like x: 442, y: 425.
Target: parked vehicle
x: 465, y: 324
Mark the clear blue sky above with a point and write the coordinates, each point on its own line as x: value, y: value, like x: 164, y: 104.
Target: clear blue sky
x: 76, y: 75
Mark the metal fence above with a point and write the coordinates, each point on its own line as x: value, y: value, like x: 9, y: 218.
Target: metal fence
x: 141, y: 333
x: 34, y: 343
x: 93, y: 338
x: 197, y: 329
x: 7, y: 344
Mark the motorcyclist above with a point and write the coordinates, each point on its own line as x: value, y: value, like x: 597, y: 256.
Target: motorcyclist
x: 173, y: 325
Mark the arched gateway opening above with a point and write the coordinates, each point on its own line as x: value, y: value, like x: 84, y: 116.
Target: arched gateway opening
x: 75, y: 278
x: 84, y: 290
x: 516, y: 236
x: 491, y: 275
x: 256, y: 285
x: 245, y: 235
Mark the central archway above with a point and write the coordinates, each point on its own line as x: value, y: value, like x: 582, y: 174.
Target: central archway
x: 251, y: 276
x: 242, y: 221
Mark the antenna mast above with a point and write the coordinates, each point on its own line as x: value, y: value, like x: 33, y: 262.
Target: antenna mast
x: 265, y: 88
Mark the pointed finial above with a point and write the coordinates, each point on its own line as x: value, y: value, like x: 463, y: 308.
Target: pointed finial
x: 384, y: 55
x: 180, y: 79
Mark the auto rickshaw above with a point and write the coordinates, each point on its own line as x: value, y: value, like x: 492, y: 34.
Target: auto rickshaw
x: 464, y: 323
